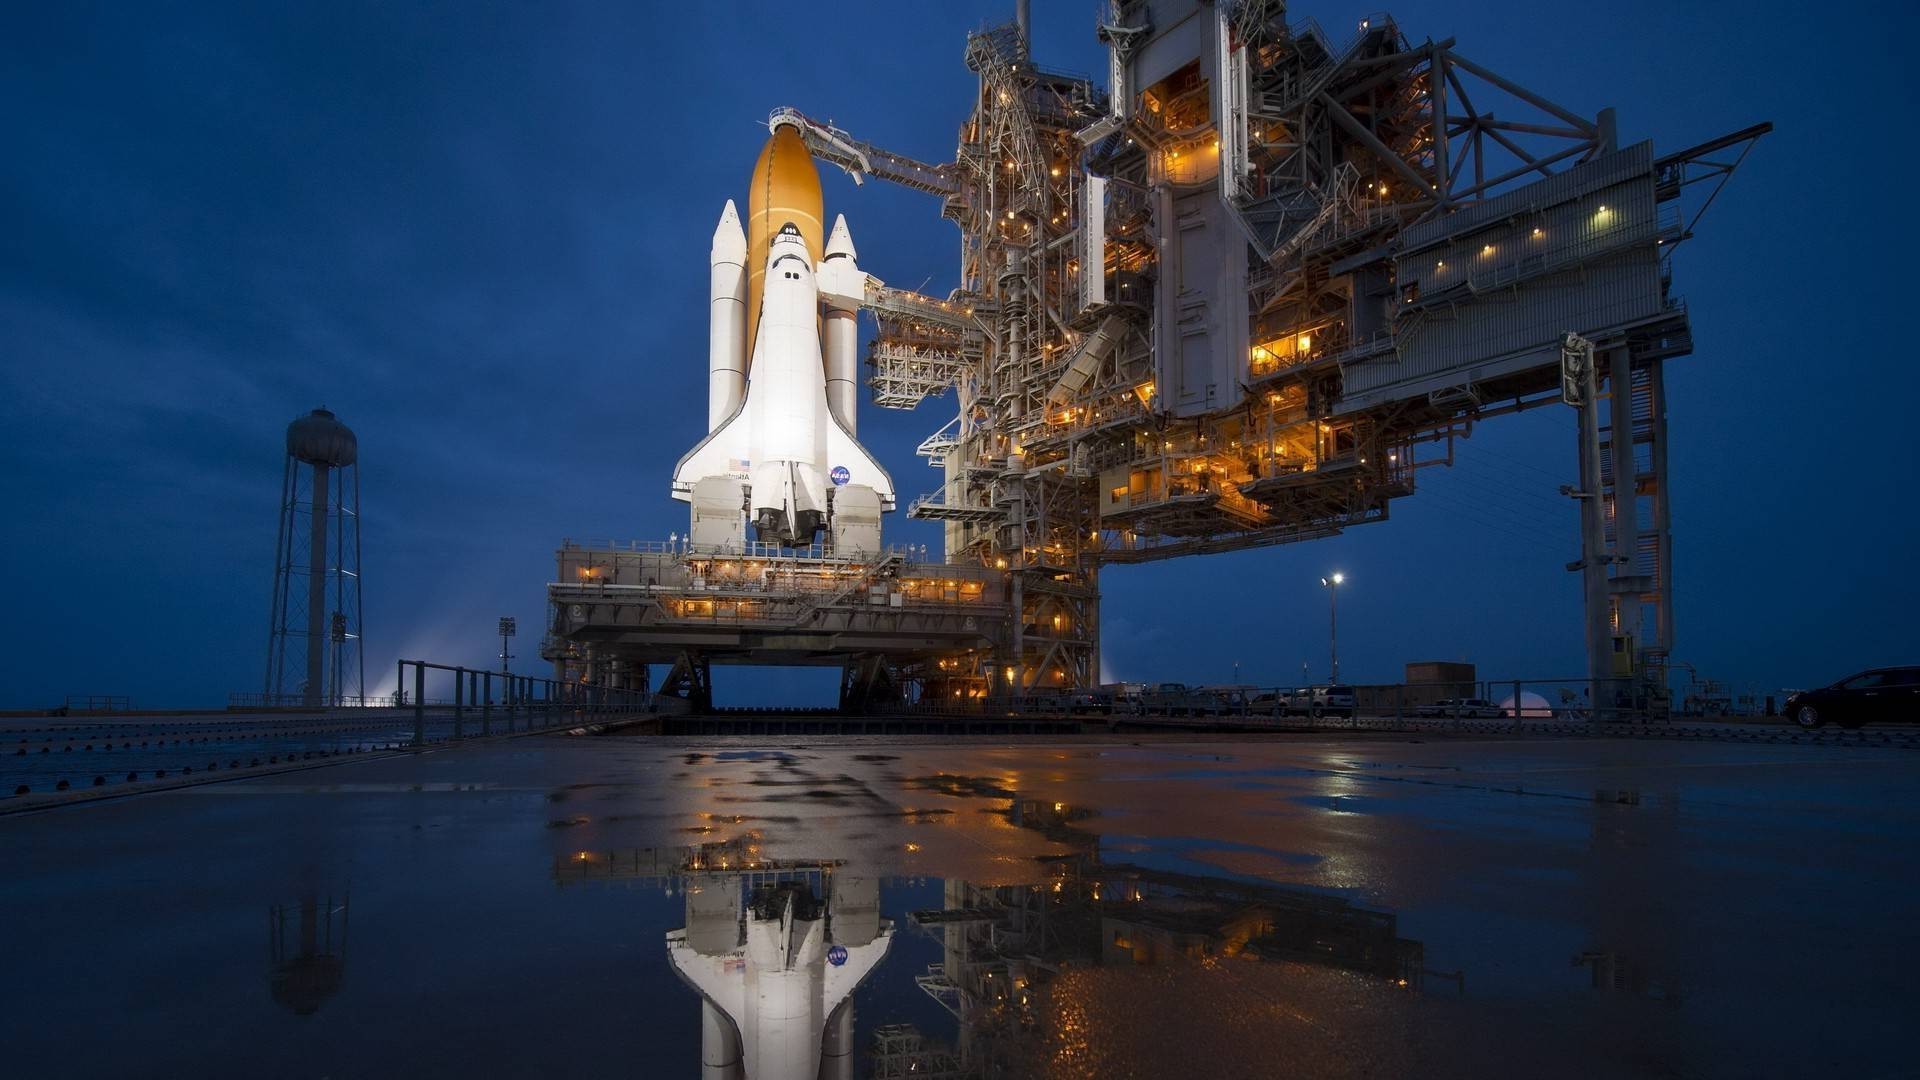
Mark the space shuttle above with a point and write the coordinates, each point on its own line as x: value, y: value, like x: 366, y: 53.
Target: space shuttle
x: 776, y: 977
x: 780, y: 463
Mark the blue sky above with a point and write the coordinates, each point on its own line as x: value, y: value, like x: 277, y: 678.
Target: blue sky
x: 478, y: 233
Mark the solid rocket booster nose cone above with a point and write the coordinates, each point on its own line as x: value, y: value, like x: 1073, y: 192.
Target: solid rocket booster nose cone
x: 840, y: 241
x: 729, y: 238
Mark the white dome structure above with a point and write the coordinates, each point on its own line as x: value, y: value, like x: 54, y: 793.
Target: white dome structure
x: 1532, y: 706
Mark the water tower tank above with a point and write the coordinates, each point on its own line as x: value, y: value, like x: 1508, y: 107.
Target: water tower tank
x: 319, y: 438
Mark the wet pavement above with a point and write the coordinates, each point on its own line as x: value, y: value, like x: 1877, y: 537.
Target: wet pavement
x: 1358, y: 906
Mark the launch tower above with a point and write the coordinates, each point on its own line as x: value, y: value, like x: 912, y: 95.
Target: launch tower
x: 1242, y: 294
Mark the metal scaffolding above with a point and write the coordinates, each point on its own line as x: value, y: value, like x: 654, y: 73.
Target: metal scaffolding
x: 1236, y: 297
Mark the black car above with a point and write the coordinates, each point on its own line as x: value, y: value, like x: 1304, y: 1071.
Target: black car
x: 1878, y: 695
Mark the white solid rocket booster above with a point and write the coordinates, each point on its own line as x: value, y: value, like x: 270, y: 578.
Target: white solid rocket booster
x: 727, y: 318
x: 842, y: 334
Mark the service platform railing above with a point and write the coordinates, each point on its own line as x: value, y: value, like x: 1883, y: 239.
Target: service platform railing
x: 450, y: 702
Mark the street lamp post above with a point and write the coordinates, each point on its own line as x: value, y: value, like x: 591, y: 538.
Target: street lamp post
x: 1333, y: 621
x: 508, y: 628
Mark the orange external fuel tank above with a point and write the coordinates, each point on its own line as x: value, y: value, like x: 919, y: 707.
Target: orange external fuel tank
x: 786, y: 188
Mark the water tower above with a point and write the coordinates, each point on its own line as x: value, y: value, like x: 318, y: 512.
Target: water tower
x: 313, y: 647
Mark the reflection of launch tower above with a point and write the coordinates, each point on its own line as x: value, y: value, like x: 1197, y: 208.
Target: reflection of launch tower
x: 309, y: 951
x: 1002, y: 944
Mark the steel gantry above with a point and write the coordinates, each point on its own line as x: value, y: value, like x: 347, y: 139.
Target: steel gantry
x: 1241, y: 294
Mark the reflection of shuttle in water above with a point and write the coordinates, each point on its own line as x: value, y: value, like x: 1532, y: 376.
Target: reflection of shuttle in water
x: 775, y: 988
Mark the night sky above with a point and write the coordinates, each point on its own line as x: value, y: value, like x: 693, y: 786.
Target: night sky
x: 479, y: 234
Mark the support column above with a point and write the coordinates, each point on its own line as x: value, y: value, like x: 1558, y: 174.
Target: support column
x: 1625, y: 504
x: 1662, y: 518
x: 419, y: 704
x: 317, y: 591
x: 1019, y: 657
x: 1593, y: 541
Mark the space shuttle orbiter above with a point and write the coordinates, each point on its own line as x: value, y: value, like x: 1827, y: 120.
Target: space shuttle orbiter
x: 780, y: 463
x: 775, y: 979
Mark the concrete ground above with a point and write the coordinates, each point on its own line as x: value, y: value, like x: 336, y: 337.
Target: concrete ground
x: 1582, y: 907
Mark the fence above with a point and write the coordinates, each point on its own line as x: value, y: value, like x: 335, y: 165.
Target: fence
x: 517, y: 703
x: 241, y: 702
x: 1468, y: 699
x: 97, y: 703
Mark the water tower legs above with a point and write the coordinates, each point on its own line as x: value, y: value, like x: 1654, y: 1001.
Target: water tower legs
x: 317, y: 591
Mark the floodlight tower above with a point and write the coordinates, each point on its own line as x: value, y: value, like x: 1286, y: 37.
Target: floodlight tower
x: 508, y: 627
x: 1332, y: 584
x: 316, y: 581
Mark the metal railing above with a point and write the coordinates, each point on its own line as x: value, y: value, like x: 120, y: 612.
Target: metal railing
x: 241, y: 700
x: 505, y: 703
x: 97, y: 703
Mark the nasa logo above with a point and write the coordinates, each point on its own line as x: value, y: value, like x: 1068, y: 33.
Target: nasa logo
x: 837, y: 955
x: 840, y: 475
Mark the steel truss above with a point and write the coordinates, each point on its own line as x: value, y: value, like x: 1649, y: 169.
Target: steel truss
x: 1326, y: 156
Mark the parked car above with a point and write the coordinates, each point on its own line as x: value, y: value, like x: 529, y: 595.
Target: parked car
x: 1166, y: 699
x: 1224, y: 700
x: 1267, y: 703
x: 1329, y: 700
x: 1091, y: 701
x: 1126, y: 696
x: 1443, y: 707
x: 1882, y: 694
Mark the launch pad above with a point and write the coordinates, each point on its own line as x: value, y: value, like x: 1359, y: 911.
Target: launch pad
x: 1243, y: 294
x: 894, y: 623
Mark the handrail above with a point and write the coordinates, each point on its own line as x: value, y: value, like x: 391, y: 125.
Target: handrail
x: 524, y: 697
